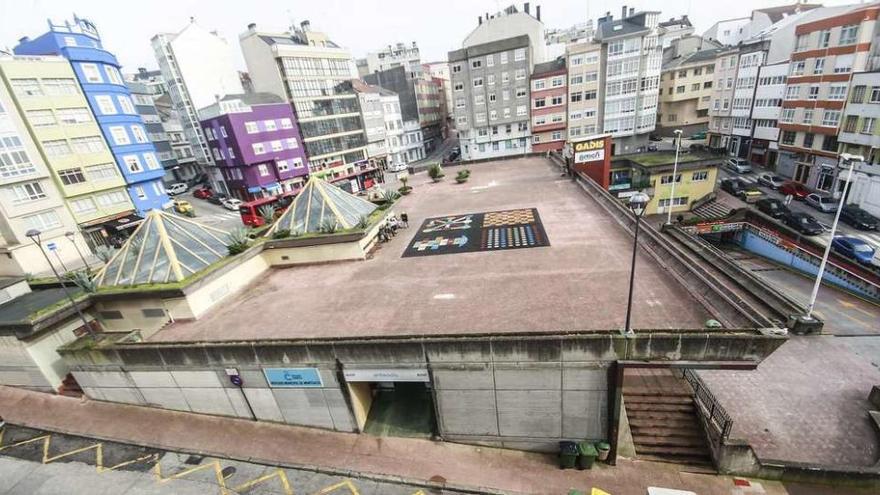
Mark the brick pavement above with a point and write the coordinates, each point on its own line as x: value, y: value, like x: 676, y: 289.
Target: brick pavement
x: 807, y: 402
x: 409, y: 459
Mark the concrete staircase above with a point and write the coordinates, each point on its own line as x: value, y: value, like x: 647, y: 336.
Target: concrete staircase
x: 663, y: 420
x: 69, y: 387
x: 712, y: 210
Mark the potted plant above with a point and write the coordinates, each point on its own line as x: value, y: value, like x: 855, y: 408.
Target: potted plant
x: 405, y: 189
x: 462, y: 176
x: 239, y: 240
x: 436, y: 173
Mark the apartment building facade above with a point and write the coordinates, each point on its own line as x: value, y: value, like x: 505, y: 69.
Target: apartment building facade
x: 751, y: 57
x: 827, y: 52
x: 394, y: 133
x: 197, y: 67
x: 256, y: 144
x: 860, y: 135
x: 314, y: 74
x: 549, y: 105
x: 491, y: 94
x: 631, y: 63
x: 583, y: 60
x: 404, y: 55
x: 146, y: 108
x: 373, y: 115
x: 720, y: 113
x: 766, y: 109
x: 686, y: 85
x: 29, y: 199
x: 440, y: 70
x: 49, y: 98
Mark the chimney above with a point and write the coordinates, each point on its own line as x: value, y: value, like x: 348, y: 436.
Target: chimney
x: 623, y: 12
x: 632, y: 11
x: 304, y: 25
x: 479, y: 20
x: 538, y: 12
x: 526, y: 7
x: 24, y: 39
x: 252, y: 26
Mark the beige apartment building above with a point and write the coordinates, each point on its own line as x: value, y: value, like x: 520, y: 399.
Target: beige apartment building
x: 584, y: 63
x: 686, y: 85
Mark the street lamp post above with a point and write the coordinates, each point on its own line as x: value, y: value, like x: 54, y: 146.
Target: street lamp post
x: 638, y: 203
x: 852, y: 159
x: 674, y: 173
x: 72, y: 238
x: 34, y: 235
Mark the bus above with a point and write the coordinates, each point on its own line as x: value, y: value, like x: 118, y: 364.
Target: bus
x: 250, y: 211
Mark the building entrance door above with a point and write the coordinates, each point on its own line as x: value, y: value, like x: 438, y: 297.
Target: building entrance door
x: 802, y: 173
x: 400, y: 408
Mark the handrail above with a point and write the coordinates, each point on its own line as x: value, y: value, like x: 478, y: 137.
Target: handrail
x: 714, y: 413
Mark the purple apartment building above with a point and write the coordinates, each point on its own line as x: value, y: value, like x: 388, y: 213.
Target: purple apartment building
x: 256, y: 144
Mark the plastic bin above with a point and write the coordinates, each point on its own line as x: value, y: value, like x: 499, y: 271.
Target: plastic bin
x: 568, y: 454
x: 587, y: 455
x: 604, y: 449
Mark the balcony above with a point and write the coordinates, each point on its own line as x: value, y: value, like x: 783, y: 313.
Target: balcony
x: 860, y: 139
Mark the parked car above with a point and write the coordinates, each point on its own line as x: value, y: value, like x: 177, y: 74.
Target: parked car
x: 698, y: 147
x: 653, y: 147
x: 772, y: 207
x: 453, y: 155
x: 203, y: 193
x: 825, y: 204
x: 231, y: 204
x: 853, y: 215
x: 733, y: 185
x: 855, y: 248
x: 183, y: 207
x: 655, y: 137
x: 803, y: 223
x: 176, y: 188
x: 698, y: 135
x: 738, y: 165
x: 795, y: 189
x: 217, y: 199
x: 771, y: 180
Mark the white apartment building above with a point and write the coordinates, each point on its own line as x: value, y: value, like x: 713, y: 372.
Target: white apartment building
x: 632, y: 57
x: 440, y: 70
x: 750, y: 60
x: 508, y: 23
x: 412, y: 144
x: 397, y: 55
x: 733, y: 31
x: 29, y: 199
x: 766, y: 108
x: 584, y: 63
x: 720, y: 116
x: 394, y: 135
x: 197, y: 67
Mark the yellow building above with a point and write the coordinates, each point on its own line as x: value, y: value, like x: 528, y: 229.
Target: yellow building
x: 652, y: 172
x: 685, y: 92
x: 48, y: 97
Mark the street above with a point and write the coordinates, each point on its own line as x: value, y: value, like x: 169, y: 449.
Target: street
x: 439, y: 153
x: 208, y: 213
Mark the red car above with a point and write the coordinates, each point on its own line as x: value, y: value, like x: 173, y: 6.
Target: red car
x: 203, y: 193
x: 795, y: 189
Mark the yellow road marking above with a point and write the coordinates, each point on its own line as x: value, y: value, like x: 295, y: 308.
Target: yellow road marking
x: 343, y: 484
x: 279, y: 473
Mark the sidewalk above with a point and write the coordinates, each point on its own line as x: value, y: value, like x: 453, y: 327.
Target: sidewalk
x: 346, y: 454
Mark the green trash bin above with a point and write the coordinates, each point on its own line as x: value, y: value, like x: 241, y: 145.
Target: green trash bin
x: 587, y: 454
x: 568, y: 453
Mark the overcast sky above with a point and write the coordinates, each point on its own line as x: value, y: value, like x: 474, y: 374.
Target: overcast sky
x: 361, y: 25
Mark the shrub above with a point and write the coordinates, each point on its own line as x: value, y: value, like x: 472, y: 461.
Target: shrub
x: 404, y: 180
x: 239, y: 240
x: 82, y: 279
x: 390, y: 197
x: 462, y: 176
x: 281, y: 234
x: 363, y: 223
x: 328, y: 227
x: 436, y: 172
x: 405, y: 190
x: 267, y: 213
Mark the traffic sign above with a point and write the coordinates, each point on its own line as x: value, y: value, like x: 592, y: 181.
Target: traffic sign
x: 51, y: 246
x: 236, y: 380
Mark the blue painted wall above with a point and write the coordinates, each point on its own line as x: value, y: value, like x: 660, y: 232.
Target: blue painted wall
x: 98, y: 73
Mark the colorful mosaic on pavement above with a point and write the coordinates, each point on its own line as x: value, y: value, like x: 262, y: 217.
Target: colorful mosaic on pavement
x: 489, y: 231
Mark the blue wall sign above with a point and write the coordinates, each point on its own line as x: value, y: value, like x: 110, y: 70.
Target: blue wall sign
x: 293, y: 377
x: 51, y: 246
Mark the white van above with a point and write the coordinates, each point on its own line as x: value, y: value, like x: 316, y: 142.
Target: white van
x: 176, y: 188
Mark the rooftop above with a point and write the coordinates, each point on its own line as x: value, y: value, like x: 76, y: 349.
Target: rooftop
x: 578, y: 282
x: 662, y: 158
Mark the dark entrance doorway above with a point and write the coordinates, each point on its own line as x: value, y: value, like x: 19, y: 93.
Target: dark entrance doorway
x: 397, y: 409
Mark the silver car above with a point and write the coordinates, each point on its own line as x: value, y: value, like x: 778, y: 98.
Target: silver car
x: 825, y: 204
x: 738, y: 165
x: 771, y: 180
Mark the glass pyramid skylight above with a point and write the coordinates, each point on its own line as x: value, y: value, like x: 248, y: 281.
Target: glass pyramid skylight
x: 322, y: 204
x: 164, y: 248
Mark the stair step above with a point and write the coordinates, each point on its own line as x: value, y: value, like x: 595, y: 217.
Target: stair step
x: 653, y: 431
x: 666, y: 441
x: 668, y: 451
x: 685, y: 408
x: 662, y: 416
x: 657, y: 399
x: 639, y: 421
x: 657, y: 392
x: 695, y: 464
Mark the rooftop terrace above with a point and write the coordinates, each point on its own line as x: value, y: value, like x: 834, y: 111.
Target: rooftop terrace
x: 577, y: 283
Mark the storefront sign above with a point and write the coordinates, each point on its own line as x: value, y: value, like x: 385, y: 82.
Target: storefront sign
x: 293, y: 377
x: 716, y: 228
x: 387, y: 375
x: 592, y: 150
x: 592, y: 156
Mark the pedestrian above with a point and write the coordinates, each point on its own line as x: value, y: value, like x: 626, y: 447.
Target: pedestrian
x: 404, y: 220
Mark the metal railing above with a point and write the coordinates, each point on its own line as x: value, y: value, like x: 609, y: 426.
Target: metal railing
x: 716, y: 416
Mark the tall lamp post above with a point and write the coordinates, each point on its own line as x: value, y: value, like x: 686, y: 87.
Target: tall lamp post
x: 72, y: 238
x: 674, y: 173
x: 34, y: 235
x: 638, y: 203
x: 852, y: 159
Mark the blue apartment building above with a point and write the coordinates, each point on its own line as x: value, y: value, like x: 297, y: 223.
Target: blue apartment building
x: 97, y: 71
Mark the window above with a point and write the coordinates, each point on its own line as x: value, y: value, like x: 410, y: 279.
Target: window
x: 813, y: 92
x: 133, y: 163
x: 14, y: 161
x: 490, y: 60
x: 829, y: 143
x: 695, y: 87
x: 91, y: 144
x: 539, y: 84
x: 111, y: 199
x: 61, y: 87
x: 837, y: 92
x: 259, y: 149
x: 119, y: 135
x: 851, y: 123
x: 230, y: 152
x: 868, y: 125
x: 797, y: 68
x: 557, y: 82
x: 540, y: 102
x: 848, y: 34
x: 216, y: 153
x: 125, y: 104
x: 263, y: 169
x: 158, y: 188
x: 831, y: 118
x: 269, y: 124
x: 113, y: 75
x: 667, y: 179
x: 456, y: 68
x: 792, y: 92
x: 70, y: 116
x: 808, y: 140
x: 843, y: 63
x: 41, y: 118
x: 478, y: 82
x: 26, y: 87
x: 490, y: 79
x: 276, y: 145
x: 91, y: 73
x: 679, y: 89
x: 557, y: 100
x: 251, y: 127
x: 505, y: 78
x: 139, y: 191
x: 787, y: 115
x: 507, y: 112
x: 808, y: 117
x: 105, y: 104
x: 858, y: 94
x: 700, y: 176
x: 282, y: 166
x: 493, y: 115
x: 476, y: 64
x: 520, y: 92
x: 520, y: 74
x: 503, y: 57
x: 56, y: 148
x: 291, y: 143
x: 577, y: 96
x: 577, y: 79
x: 223, y: 131
x: 824, y: 38
x: 104, y: 171
x: 802, y: 43
x: 788, y: 137
x: 152, y: 162
x: 286, y: 123
x: 82, y: 206
x: 44, y: 221
x: 519, y: 54
x: 209, y: 133
x: 139, y: 135
x: 875, y: 94
x: 31, y: 191
x: 819, y: 67
x: 521, y: 110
